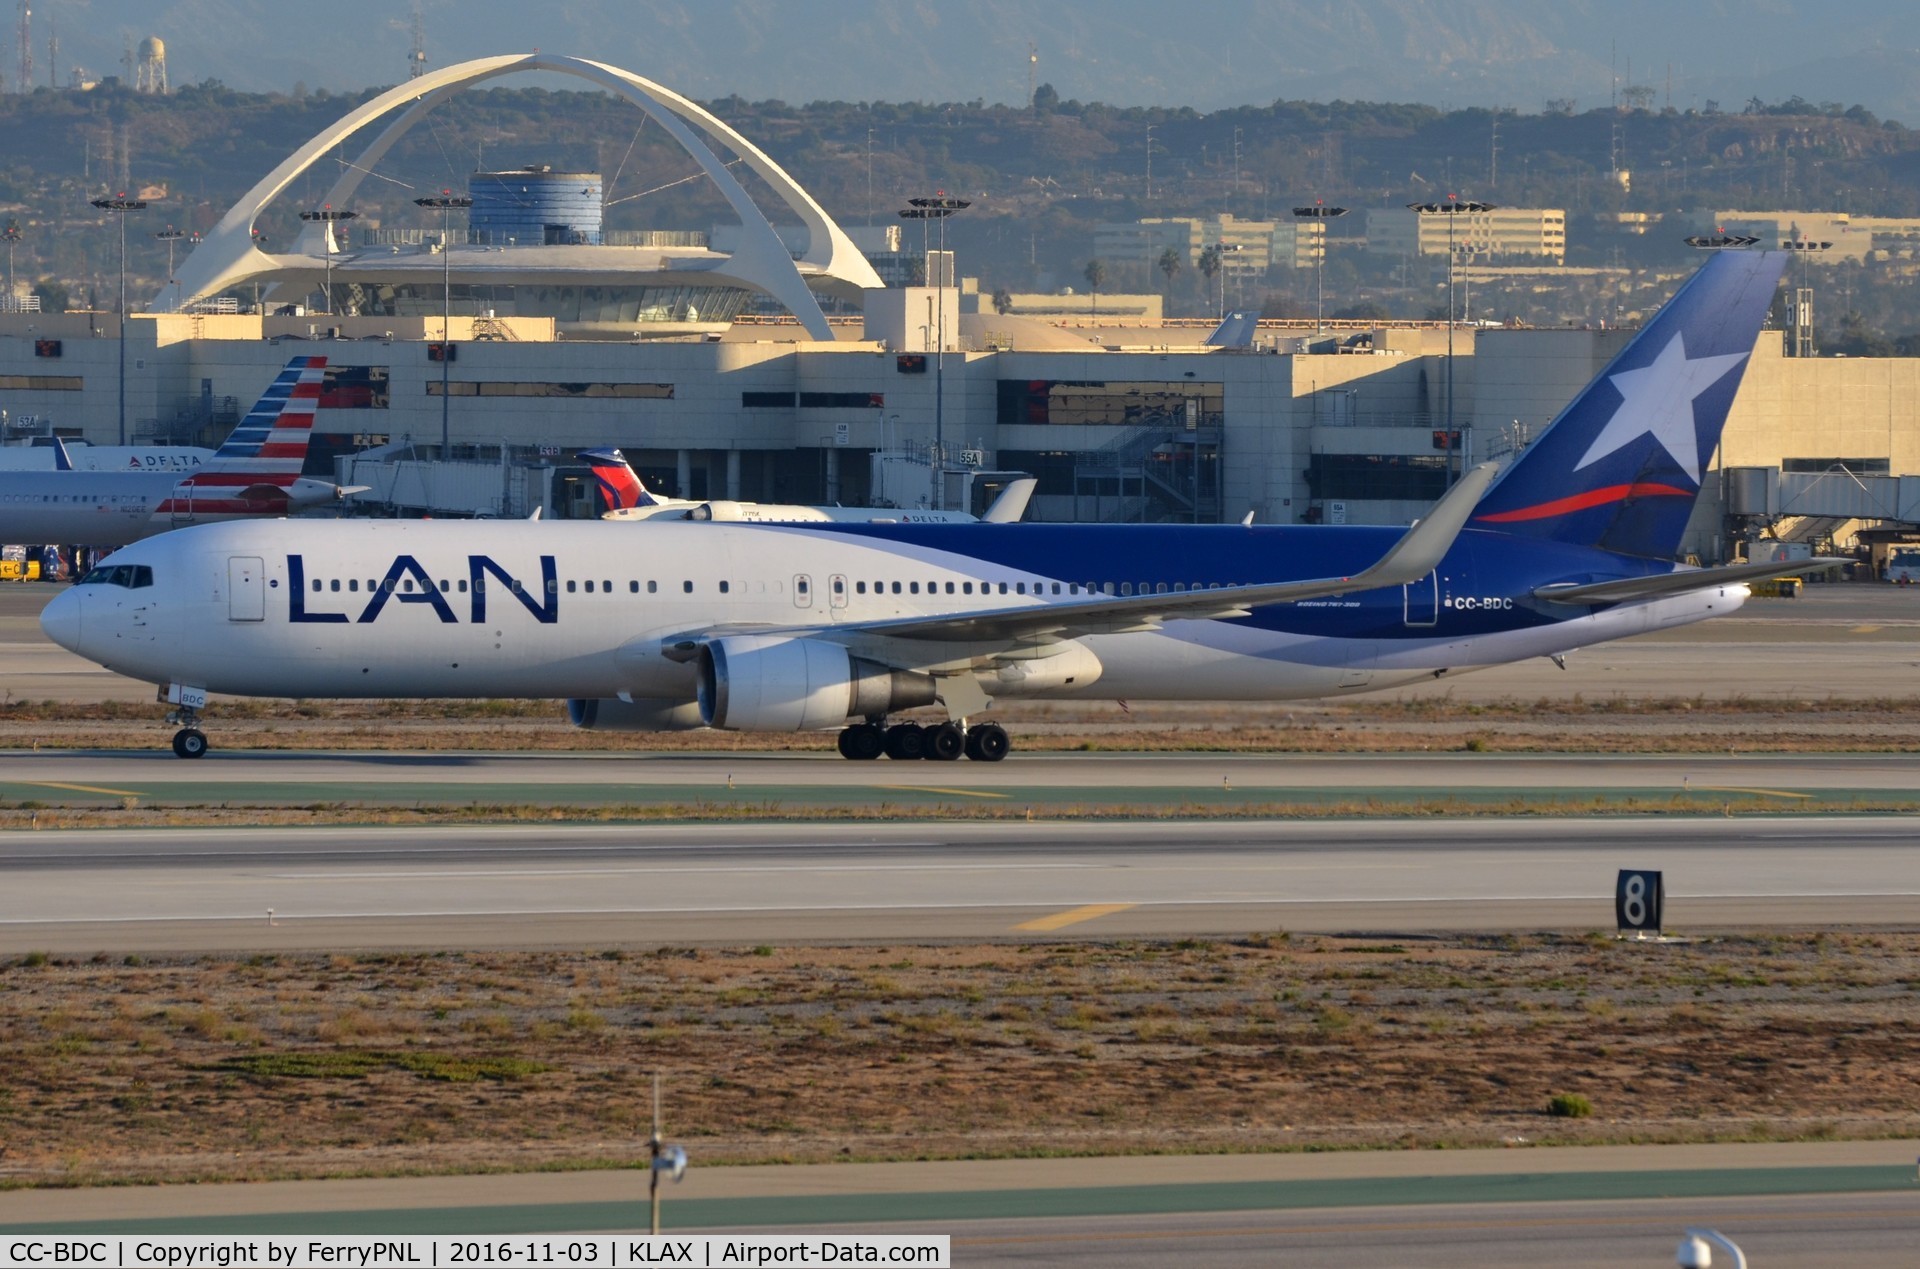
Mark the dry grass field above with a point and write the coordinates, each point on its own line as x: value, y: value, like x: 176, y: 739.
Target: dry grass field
x: 282, y: 1066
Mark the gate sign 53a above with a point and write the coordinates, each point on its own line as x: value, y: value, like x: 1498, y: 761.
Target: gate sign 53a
x: 1638, y: 897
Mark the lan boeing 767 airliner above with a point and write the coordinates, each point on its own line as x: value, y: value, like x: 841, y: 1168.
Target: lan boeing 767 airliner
x: 798, y: 627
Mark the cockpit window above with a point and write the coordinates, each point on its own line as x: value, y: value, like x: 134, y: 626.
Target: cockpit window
x: 131, y: 576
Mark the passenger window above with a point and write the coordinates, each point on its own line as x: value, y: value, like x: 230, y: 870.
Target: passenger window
x: 687, y: 587
x: 653, y: 587
x: 859, y: 588
x: 406, y: 584
x: 553, y: 586
x: 445, y: 586
x: 1056, y: 588
x: 1126, y: 588
x: 589, y: 588
x: 966, y: 588
x: 914, y: 587
x: 1160, y: 589
x: 896, y: 588
x: 334, y: 586
x: 570, y: 587
x: 316, y: 585
x: 606, y: 587
x: 462, y: 586
x: 1003, y: 588
x: 1020, y: 588
x: 353, y: 584
x: 949, y: 588
x: 723, y: 586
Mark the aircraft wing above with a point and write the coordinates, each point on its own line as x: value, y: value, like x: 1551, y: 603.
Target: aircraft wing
x: 1415, y: 555
x: 1678, y: 582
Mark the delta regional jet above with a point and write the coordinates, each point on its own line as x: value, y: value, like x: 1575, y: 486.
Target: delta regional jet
x: 255, y: 473
x: 790, y: 627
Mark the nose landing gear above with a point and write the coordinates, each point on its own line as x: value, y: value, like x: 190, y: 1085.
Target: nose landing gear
x: 189, y: 741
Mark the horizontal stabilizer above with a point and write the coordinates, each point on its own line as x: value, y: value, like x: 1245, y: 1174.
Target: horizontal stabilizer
x: 1679, y: 582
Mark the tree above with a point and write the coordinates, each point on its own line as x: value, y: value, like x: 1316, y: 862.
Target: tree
x: 1095, y: 274
x: 1169, y: 266
x: 1002, y: 300
x: 1045, y: 99
x: 54, y: 296
x: 1210, y: 268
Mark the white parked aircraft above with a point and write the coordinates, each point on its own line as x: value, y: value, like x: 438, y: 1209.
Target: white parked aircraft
x: 629, y: 499
x: 179, y: 459
x: 812, y: 626
x: 255, y: 473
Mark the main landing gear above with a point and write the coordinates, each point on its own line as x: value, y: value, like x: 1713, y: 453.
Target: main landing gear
x: 904, y: 742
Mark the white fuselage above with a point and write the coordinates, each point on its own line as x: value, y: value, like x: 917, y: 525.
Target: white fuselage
x: 113, y: 508
x: 430, y: 608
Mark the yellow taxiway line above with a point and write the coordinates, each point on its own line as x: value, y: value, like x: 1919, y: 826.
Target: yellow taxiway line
x: 1074, y: 916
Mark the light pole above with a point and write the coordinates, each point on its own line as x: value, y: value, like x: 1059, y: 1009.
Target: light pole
x: 170, y: 235
x: 1454, y: 207
x: 1803, y: 296
x: 327, y: 218
x: 446, y: 201
x: 662, y: 1159
x: 1319, y: 214
x: 120, y: 205
x: 1220, y: 250
x: 11, y: 234
x: 924, y: 209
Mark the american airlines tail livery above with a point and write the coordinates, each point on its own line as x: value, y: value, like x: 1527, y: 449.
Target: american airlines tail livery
x: 795, y: 627
x: 255, y: 473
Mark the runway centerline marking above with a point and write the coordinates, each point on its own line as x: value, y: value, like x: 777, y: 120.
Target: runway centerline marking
x: 928, y: 788
x: 1074, y: 916
x: 83, y: 788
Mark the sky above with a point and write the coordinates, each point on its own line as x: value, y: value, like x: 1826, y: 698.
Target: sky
x: 1207, y: 55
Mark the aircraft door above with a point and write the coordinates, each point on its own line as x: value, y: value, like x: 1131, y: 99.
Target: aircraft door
x: 1421, y: 601
x: 246, y: 588
x: 802, y: 591
x: 837, y: 591
x: 181, y: 504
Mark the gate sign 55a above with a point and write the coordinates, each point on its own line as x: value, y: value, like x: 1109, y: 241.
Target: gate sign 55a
x: 1638, y: 897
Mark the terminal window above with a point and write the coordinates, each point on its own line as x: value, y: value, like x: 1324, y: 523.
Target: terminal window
x: 1185, y: 404
x: 1857, y: 466
x: 1377, y: 477
x: 588, y: 391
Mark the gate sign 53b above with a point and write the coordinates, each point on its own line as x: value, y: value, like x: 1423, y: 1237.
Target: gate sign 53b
x: 1637, y: 899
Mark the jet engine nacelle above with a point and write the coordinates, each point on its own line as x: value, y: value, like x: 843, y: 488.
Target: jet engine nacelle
x: 613, y: 714
x: 775, y: 683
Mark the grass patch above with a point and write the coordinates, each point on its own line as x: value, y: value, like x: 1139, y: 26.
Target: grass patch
x: 357, y: 1064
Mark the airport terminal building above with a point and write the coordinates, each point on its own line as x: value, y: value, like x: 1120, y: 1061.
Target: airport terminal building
x: 517, y: 353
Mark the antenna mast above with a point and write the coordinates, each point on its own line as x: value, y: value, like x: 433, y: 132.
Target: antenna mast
x: 1033, y: 67
x: 24, y: 34
x: 417, y: 53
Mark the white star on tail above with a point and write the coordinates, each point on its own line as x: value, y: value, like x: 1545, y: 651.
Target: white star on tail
x: 1657, y: 400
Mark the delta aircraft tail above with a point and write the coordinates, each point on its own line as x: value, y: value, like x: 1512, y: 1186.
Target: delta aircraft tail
x: 619, y: 485
x: 257, y: 469
x: 1621, y: 466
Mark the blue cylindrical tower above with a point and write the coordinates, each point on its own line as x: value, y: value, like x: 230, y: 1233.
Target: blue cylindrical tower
x: 535, y: 205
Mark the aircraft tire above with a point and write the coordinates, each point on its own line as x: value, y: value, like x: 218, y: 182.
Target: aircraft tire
x: 189, y: 743
x: 906, y: 742
x: 862, y: 742
x: 988, y: 742
x: 945, y: 743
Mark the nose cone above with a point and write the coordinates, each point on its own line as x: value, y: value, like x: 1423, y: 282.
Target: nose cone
x: 60, y: 620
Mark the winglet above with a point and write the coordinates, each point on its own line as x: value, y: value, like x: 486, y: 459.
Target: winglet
x: 62, y: 461
x: 1012, y: 501
x: 1422, y: 548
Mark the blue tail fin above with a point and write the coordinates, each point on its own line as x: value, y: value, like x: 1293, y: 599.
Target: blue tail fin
x: 1620, y: 467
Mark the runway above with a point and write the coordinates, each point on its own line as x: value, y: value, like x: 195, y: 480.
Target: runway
x: 1219, y: 782
x: 588, y: 885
